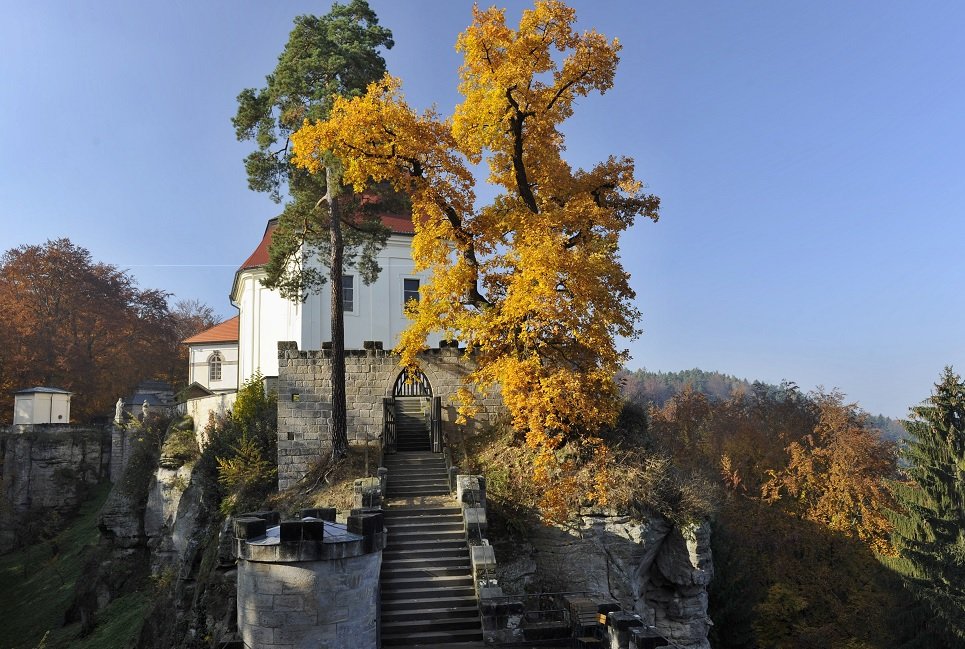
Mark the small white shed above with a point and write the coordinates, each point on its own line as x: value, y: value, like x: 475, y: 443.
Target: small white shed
x: 41, y: 406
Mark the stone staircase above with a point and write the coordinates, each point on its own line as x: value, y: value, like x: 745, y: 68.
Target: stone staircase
x: 428, y: 597
x: 411, y: 426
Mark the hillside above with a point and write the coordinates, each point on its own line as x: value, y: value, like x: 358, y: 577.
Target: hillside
x: 646, y: 387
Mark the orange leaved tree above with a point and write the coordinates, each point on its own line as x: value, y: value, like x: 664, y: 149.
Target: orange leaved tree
x: 532, y: 282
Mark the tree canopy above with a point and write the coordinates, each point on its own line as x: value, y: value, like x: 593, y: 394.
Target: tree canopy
x: 84, y: 326
x: 326, y: 57
x: 532, y: 282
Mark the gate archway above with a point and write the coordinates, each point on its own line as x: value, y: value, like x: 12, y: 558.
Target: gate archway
x: 412, y: 417
x: 412, y: 384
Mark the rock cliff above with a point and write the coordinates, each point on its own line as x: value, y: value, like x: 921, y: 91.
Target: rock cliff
x: 654, y: 568
x: 46, y: 471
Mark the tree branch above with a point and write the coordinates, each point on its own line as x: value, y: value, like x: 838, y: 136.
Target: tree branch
x: 516, y: 128
x: 566, y: 86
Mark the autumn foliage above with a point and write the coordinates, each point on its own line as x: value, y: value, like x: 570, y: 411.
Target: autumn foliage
x: 532, y: 282
x: 84, y: 326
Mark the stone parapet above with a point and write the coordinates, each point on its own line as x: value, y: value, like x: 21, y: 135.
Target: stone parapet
x: 309, y: 582
x: 305, y: 402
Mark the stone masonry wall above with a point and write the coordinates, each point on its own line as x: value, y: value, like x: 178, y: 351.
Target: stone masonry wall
x: 309, y: 604
x: 305, y: 403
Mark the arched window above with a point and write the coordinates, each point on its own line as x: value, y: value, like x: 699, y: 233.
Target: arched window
x: 214, y: 366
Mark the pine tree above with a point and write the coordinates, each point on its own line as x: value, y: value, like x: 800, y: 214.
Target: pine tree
x: 326, y: 57
x: 929, y: 531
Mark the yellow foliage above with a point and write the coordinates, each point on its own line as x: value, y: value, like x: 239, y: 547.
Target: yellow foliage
x: 531, y: 283
x: 836, y: 475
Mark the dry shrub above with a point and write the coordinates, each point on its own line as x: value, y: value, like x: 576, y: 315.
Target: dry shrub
x: 616, y: 470
x: 329, y: 482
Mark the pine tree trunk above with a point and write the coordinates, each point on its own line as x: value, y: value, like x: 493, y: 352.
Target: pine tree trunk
x: 339, y: 424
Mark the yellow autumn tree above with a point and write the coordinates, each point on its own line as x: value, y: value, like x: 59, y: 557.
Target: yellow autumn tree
x: 532, y: 282
x: 836, y: 475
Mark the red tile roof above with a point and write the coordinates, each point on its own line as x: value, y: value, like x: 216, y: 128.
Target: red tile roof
x: 397, y: 223
x: 226, y: 332
x: 260, y: 256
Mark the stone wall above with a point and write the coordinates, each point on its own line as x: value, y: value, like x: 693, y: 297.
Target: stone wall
x: 46, y: 471
x: 309, y: 584
x: 653, y: 568
x: 305, y: 405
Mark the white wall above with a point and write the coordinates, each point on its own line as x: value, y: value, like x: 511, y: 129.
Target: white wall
x: 23, y: 409
x: 201, y: 409
x: 378, y: 307
x: 41, y: 408
x: 266, y: 318
x: 198, y: 365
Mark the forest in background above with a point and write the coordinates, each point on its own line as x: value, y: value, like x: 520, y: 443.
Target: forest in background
x: 643, y: 386
x: 85, y: 326
x: 804, y: 528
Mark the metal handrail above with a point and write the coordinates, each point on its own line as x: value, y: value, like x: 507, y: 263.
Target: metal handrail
x: 435, y: 425
x: 388, y: 426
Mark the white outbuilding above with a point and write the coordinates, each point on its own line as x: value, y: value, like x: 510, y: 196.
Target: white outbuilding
x: 41, y: 406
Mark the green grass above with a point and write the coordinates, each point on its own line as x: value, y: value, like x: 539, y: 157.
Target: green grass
x: 37, y: 586
x: 117, y: 624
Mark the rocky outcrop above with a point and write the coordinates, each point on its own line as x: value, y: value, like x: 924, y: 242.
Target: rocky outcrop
x: 654, y: 568
x: 46, y: 471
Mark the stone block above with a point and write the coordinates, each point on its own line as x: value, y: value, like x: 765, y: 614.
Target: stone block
x: 287, y: 603
x: 270, y: 517
x: 366, y: 524
x: 471, y: 490
x: 248, y: 527
x: 645, y: 638
x: 475, y: 521
x: 308, y: 530
x: 322, y: 513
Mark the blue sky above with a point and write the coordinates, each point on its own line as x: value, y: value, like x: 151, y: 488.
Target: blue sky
x: 808, y: 155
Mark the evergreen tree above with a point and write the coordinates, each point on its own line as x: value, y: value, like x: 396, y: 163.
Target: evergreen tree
x: 929, y: 529
x: 334, y: 55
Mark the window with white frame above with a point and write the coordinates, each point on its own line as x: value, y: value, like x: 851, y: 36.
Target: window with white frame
x: 348, y: 293
x: 214, y: 366
x: 410, y: 290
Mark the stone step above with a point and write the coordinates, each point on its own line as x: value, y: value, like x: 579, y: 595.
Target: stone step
x: 422, y: 465
x: 429, y: 591
x: 415, y: 457
x: 418, y: 583
x: 403, y: 526
x: 404, y: 605
x: 411, y: 483
x: 406, y: 519
x: 426, y: 550
x: 414, y: 563
x: 405, y: 512
x: 416, y: 610
x: 404, y: 443
x: 417, y: 469
x: 429, y: 625
x: 431, y: 638
x: 459, y: 568
x: 399, y: 478
x: 425, y: 491
x: 418, y: 546
x: 405, y: 539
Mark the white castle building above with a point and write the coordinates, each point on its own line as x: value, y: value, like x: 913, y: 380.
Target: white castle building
x: 225, y: 356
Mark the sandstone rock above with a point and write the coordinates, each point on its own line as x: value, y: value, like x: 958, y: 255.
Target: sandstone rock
x: 685, y: 557
x: 653, y: 568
